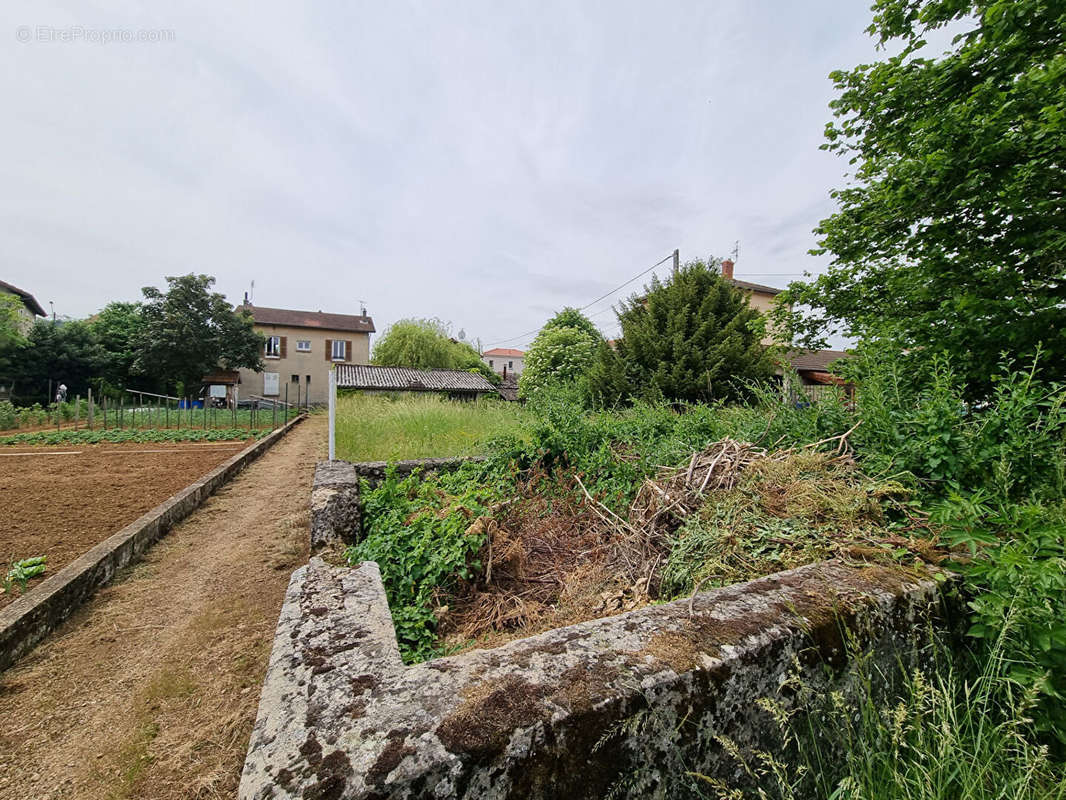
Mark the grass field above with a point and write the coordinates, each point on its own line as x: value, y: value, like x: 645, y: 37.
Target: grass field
x: 383, y: 428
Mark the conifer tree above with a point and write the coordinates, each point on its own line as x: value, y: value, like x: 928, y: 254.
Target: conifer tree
x: 692, y: 337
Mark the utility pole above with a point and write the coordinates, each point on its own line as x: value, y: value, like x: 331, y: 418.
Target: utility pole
x: 677, y: 259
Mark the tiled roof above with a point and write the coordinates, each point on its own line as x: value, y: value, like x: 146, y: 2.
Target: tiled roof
x: 28, y: 299
x: 754, y: 287
x: 508, y: 388
x: 510, y: 352
x: 814, y: 360
x: 309, y: 319
x: 406, y: 379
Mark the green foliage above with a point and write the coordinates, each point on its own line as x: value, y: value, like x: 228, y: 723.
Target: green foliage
x: 111, y: 435
x: 949, y: 238
x: 692, y: 337
x: 12, y: 338
x: 22, y: 571
x: 572, y: 318
x: 1021, y: 578
x: 190, y: 331
x: 560, y: 354
x: 8, y: 415
x: 961, y: 732
x: 918, y: 421
x: 119, y: 327
x: 379, y: 427
x: 427, y: 344
x: 419, y: 533
x: 67, y: 352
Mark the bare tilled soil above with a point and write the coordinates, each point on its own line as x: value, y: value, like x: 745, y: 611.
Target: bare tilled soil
x: 59, y: 501
x: 151, y: 689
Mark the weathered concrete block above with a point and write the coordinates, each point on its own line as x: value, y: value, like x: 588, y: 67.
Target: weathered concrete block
x: 335, y: 508
x: 625, y: 705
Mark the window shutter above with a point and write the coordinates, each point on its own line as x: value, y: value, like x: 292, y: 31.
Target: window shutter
x: 284, y: 339
x: 329, y: 349
x: 347, y: 349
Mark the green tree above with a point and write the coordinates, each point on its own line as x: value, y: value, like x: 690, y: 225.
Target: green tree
x: 427, y: 344
x: 68, y: 353
x: 563, y: 352
x: 190, y: 331
x: 12, y: 338
x: 120, y: 327
x: 572, y: 318
x: 692, y: 337
x: 949, y: 237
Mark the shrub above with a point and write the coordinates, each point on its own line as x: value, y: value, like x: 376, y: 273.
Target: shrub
x: 8, y: 415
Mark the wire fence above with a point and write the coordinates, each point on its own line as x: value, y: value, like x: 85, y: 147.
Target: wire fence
x: 140, y: 410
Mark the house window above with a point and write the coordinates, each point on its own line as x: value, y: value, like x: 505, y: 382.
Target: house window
x: 303, y: 345
x: 273, y: 347
x: 510, y: 365
x: 338, y: 350
x: 308, y: 380
x: 295, y: 378
x: 491, y: 364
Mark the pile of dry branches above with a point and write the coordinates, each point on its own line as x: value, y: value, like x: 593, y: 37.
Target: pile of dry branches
x: 550, y: 563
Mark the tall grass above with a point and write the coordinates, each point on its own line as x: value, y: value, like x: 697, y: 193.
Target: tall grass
x: 957, y: 733
x: 387, y: 427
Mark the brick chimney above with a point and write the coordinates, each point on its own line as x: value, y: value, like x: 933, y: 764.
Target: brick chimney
x: 727, y: 269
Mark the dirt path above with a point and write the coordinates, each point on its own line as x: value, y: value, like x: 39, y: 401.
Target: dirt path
x: 150, y: 691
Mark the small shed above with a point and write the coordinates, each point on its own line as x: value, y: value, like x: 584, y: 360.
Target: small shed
x: 453, y: 382
x: 508, y: 388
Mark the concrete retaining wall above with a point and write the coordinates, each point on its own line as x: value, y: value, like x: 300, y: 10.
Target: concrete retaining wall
x: 34, y: 615
x: 629, y: 705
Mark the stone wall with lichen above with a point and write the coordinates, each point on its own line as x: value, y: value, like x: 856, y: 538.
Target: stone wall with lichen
x: 628, y: 706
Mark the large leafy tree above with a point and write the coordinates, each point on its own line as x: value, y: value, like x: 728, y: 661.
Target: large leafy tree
x: 563, y: 352
x: 120, y: 327
x: 951, y: 236
x: 692, y: 337
x: 427, y: 344
x: 190, y: 331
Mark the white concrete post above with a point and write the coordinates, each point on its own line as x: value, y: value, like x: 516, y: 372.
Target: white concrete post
x: 332, y: 413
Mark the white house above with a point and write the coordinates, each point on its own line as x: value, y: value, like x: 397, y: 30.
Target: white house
x: 504, y: 360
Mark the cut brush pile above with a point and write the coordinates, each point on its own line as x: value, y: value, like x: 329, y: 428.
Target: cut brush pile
x: 734, y: 512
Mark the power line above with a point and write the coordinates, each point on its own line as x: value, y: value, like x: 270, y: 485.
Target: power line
x: 615, y: 289
x: 594, y: 302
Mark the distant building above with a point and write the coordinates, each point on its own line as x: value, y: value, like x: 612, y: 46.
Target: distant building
x: 30, y: 309
x: 455, y: 383
x: 505, y: 360
x: 760, y: 297
x: 300, y: 349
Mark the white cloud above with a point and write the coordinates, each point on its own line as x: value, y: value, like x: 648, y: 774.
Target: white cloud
x: 479, y: 162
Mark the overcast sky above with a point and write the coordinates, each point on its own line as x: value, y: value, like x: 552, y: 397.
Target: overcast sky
x: 485, y: 163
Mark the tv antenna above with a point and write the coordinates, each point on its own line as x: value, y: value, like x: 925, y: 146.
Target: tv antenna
x: 362, y: 308
x: 736, y: 251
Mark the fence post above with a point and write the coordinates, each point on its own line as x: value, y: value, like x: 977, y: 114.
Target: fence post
x: 89, y: 410
x: 286, y: 404
x: 332, y: 414
x: 77, y: 410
